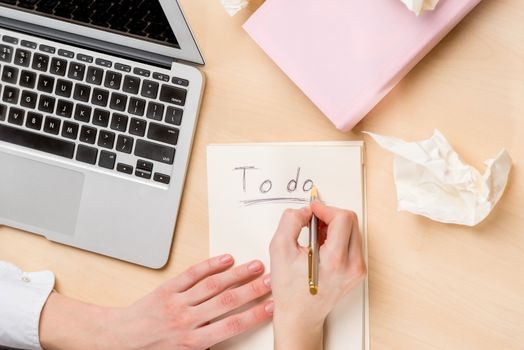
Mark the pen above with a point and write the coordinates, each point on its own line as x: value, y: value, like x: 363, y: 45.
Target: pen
x: 313, y: 248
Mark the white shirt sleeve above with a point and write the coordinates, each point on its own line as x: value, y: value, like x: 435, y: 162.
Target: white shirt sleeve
x: 22, y: 297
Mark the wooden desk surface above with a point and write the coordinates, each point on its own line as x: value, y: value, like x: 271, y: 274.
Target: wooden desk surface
x: 432, y: 286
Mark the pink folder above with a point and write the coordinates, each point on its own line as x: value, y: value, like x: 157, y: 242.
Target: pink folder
x: 346, y: 55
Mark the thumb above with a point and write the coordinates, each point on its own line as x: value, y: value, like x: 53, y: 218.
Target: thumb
x: 291, y: 223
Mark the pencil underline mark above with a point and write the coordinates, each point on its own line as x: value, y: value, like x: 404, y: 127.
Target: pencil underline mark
x: 290, y: 200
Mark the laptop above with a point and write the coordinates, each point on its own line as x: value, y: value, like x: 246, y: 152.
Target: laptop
x: 98, y: 107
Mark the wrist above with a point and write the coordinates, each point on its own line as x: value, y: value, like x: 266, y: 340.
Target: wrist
x: 66, y: 323
x: 292, y: 333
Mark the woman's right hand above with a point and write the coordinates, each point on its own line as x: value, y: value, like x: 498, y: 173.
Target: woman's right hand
x: 299, y: 316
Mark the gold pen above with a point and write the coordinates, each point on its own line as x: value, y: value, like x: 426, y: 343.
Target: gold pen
x: 313, y: 248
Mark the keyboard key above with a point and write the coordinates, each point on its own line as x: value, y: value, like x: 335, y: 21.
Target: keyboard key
x: 36, y: 141
x: 52, y: 125
x: 101, y: 117
x: 144, y: 165
x: 84, y: 58
x: 10, y: 39
x: 58, y: 66
x: 174, y: 115
x: 136, y: 106
x: 122, y: 67
x: 153, y: 151
x: 86, y: 154
x: 162, y: 178
x: 46, y: 104
x: 63, y: 88
x: 16, y: 116
x: 131, y: 84
x: 76, y: 71
x: 119, y: 122
x: 155, y: 111
x: 163, y: 133
x: 70, y: 130
x: 149, y: 89
x: 143, y: 174
x: 104, y: 63
x: 83, y: 113
x: 124, y: 144
x: 173, y: 95
x: 118, y: 101
x: 10, y: 95
x: 107, y: 160
x: 10, y: 74
x: 88, y: 134
x: 34, y: 121
x: 28, y: 99
x: 27, y: 79
x: 124, y: 168
x: 64, y: 109
x: 106, y: 139
x: 6, y: 53
x: 22, y: 57
x: 94, y: 75
x: 3, y: 112
x: 29, y: 44
x: 40, y: 62
x: 66, y: 53
x: 46, y: 48
x: 159, y: 76
x: 46, y: 83
x: 82, y: 92
x: 142, y: 72
x: 113, y: 80
x: 100, y: 97
x: 137, y: 127
x: 180, y: 81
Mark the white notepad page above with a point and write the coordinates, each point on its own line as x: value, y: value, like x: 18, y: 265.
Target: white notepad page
x: 250, y: 185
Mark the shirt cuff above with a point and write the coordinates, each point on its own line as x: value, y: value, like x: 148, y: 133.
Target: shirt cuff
x: 22, y: 297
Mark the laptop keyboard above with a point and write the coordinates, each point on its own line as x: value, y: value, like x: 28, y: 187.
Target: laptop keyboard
x: 98, y: 111
x: 141, y: 18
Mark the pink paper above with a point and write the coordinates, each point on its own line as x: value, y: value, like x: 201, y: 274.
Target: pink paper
x: 346, y: 55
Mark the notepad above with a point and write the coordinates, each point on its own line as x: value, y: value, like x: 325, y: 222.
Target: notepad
x: 346, y: 55
x: 249, y: 187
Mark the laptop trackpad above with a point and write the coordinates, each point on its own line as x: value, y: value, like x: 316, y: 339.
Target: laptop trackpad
x: 38, y: 194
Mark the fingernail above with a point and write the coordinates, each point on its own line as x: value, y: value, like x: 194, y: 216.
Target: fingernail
x: 267, y: 281
x: 255, y: 266
x: 226, y: 259
x: 269, y: 307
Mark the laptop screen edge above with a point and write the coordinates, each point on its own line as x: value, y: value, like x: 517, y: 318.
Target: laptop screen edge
x: 188, y: 50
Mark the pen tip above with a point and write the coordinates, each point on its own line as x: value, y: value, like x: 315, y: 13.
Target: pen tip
x: 314, y: 192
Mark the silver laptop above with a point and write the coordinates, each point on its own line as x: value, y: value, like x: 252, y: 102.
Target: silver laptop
x: 98, y: 108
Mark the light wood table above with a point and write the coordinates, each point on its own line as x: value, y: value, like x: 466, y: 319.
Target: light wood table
x: 432, y: 286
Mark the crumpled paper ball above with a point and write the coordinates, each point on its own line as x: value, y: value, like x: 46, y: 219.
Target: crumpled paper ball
x: 233, y: 6
x: 419, y: 6
x: 433, y: 181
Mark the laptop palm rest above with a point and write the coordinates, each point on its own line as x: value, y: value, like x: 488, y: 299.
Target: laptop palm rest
x: 36, y: 195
